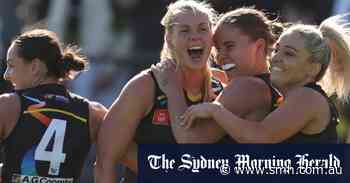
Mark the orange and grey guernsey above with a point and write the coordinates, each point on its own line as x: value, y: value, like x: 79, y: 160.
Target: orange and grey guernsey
x: 51, y: 138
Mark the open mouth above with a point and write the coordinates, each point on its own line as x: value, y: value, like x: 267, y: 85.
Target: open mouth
x: 195, y: 52
x: 228, y: 67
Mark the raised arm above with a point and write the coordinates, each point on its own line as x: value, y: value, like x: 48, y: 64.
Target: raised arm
x: 118, y: 129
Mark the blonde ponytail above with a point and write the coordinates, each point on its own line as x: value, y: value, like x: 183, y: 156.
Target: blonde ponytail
x: 336, y: 79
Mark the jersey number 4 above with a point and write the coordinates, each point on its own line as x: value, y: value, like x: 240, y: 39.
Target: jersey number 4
x: 55, y: 156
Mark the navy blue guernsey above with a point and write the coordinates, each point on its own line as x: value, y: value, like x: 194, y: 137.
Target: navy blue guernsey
x: 155, y: 127
x: 276, y: 98
x: 51, y: 139
x: 328, y: 135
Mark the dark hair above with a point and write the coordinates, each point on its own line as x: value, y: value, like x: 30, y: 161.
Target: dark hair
x: 254, y: 23
x: 45, y: 46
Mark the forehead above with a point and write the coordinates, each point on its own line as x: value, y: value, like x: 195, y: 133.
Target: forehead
x: 189, y: 17
x: 229, y: 31
x: 293, y: 39
x: 12, y: 52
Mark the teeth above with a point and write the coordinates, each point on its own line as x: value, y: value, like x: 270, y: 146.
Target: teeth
x: 195, y: 48
x: 227, y: 67
x: 276, y: 69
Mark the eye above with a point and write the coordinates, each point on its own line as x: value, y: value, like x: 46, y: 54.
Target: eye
x: 289, y: 54
x: 184, y: 30
x: 230, y: 46
x: 204, y: 29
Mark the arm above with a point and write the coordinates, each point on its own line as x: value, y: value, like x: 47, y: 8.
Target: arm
x: 97, y: 114
x: 170, y: 79
x: 299, y: 108
x: 10, y: 107
x: 121, y: 121
x: 244, y: 96
x: 130, y: 158
x: 241, y: 97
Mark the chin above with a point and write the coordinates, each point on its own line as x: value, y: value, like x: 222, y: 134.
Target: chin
x: 196, y: 66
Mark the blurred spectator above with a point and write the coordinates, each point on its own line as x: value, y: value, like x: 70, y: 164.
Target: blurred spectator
x: 341, y: 6
x: 10, y: 25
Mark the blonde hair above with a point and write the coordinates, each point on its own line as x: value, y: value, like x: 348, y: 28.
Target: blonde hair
x: 168, y: 22
x: 329, y: 43
x: 182, y: 6
x: 337, y: 35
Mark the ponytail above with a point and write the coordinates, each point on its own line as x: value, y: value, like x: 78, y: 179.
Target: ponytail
x: 336, y: 78
x: 45, y: 46
x: 72, y: 60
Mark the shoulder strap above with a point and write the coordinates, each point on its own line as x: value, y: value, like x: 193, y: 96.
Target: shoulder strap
x: 276, y: 96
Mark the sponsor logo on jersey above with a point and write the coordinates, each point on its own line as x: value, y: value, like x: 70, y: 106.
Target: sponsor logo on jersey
x: 161, y: 117
x: 17, y: 178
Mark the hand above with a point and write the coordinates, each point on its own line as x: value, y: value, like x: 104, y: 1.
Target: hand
x: 168, y: 76
x: 203, y: 110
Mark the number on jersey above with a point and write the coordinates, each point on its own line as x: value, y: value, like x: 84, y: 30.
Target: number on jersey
x: 56, y: 129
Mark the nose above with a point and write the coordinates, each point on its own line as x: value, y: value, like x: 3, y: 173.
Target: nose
x: 195, y: 36
x: 6, y: 75
x: 275, y: 58
x: 220, y: 56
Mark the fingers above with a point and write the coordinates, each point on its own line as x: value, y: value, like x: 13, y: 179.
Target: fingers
x: 187, y: 118
x: 169, y: 64
x: 164, y: 66
x: 155, y: 69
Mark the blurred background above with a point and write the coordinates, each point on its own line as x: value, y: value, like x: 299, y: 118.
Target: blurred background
x: 122, y: 37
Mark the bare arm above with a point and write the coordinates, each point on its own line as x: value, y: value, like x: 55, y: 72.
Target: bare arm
x: 242, y: 97
x: 9, y: 113
x: 118, y: 129
x: 130, y: 157
x: 299, y: 108
x: 170, y: 79
x: 97, y: 113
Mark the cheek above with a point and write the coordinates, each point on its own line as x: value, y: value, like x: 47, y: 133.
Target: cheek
x: 178, y: 46
x: 210, y: 40
x: 295, y: 70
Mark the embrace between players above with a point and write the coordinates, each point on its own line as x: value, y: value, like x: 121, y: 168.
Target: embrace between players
x: 272, y: 85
